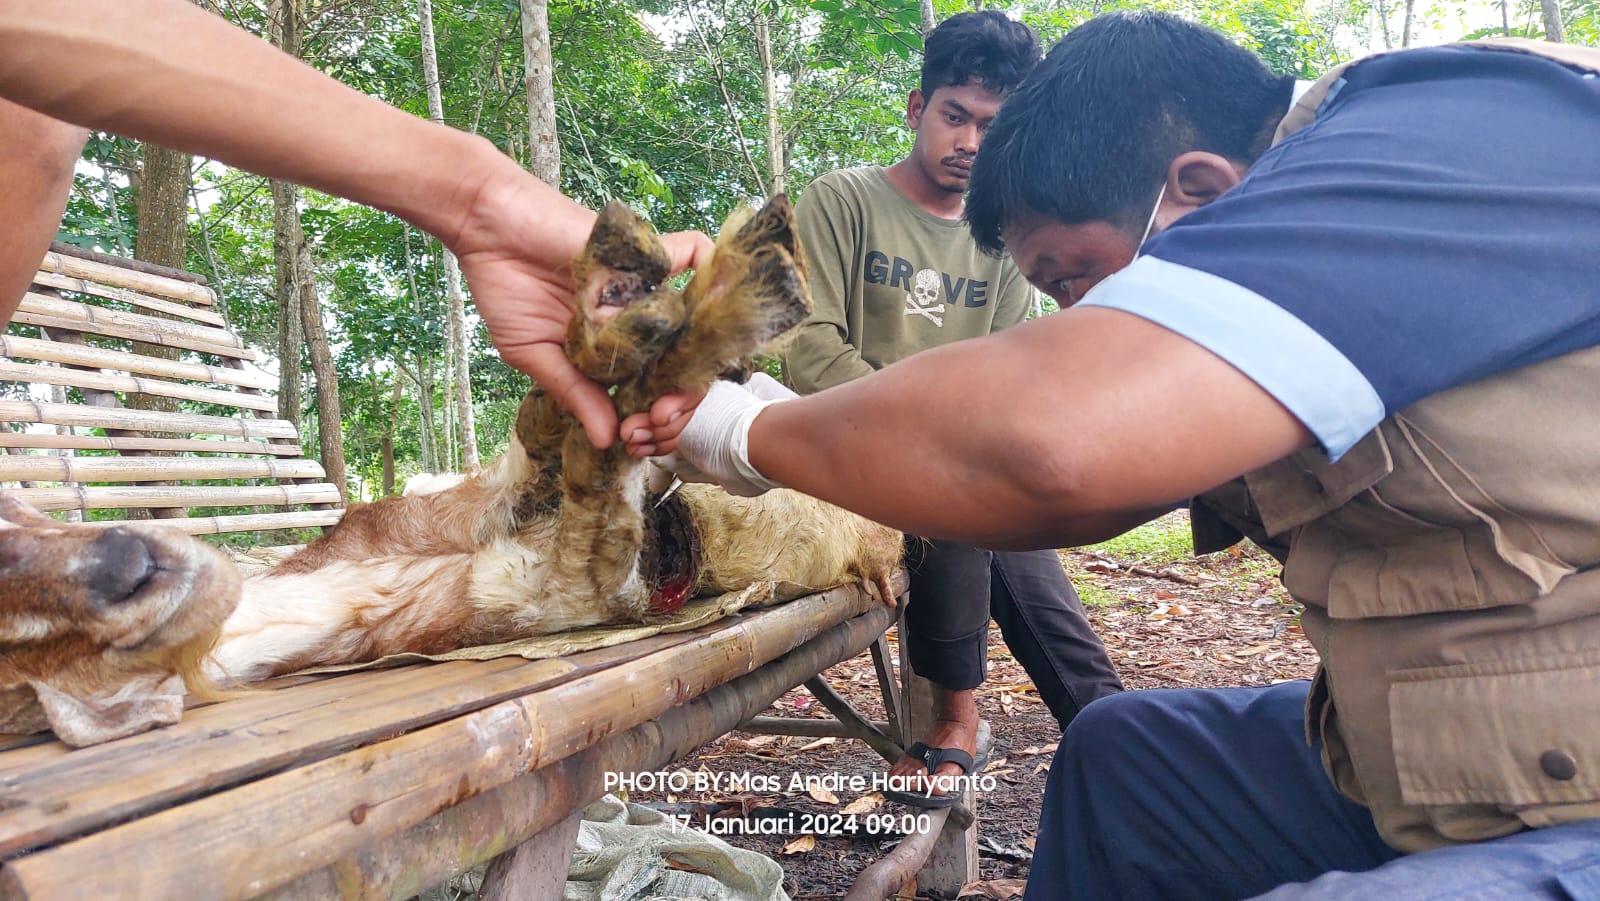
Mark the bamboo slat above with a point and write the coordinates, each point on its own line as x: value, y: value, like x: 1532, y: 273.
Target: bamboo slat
x: 96, y: 317
x: 50, y: 468
x: 120, y: 277
x: 84, y: 253
x: 77, y: 378
x: 149, y: 336
x: 584, y: 697
x: 16, y: 346
x: 246, y: 522
x: 81, y: 286
x: 92, y: 442
x: 258, y: 837
x: 94, y: 498
x: 260, y: 733
x: 144, y: 420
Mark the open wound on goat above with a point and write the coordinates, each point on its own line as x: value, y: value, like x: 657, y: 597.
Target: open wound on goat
x: 671, y: 555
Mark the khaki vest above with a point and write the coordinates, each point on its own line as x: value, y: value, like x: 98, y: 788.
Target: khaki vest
x: 1449, y: 565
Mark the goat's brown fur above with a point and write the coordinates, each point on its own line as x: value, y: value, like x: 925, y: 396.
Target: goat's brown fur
x: 554, y: 535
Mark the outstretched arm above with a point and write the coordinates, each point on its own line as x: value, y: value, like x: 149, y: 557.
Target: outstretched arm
x: 166, y: 72
x: 37, y: 154
x: 1050, y: 434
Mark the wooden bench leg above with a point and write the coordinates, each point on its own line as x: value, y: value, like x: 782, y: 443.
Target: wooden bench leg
x: 537, y: 868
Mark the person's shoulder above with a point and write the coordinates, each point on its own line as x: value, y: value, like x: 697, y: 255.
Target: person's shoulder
x: 852, y: 182
x: 840, y: 192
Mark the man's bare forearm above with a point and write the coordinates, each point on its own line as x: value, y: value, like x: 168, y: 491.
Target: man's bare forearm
x: 1050, y: 434
x: 225, y: 94
x: 37, y: 155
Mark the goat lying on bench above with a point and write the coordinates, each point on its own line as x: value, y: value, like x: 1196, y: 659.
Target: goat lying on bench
x: 103, y: 628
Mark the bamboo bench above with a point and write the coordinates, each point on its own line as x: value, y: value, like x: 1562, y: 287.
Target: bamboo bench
x: 77, y: 353
x: 374, y: 784
x: 382, y: 783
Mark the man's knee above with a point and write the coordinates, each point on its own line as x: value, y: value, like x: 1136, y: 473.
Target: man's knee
x: 1105, y: 733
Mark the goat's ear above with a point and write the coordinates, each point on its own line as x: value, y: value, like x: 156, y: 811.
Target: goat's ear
x: 18, y: 513
x: 132, y: 709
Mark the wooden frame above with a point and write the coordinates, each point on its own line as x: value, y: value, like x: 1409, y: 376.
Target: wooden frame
x: 91, y: 317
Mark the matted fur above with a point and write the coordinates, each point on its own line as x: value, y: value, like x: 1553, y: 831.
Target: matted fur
x: 550, y: 537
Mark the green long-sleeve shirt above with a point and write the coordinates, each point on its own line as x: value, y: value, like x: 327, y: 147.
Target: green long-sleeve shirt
x: 889, y: 279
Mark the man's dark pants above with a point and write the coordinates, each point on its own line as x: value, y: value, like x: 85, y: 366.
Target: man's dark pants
x: 1214, y: 794
x: 956, y: 588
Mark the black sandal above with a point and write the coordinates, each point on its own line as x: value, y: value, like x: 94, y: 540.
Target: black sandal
x: 932, y: 758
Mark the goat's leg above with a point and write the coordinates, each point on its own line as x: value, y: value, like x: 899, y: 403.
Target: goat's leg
x: 753, y: 291
x: 625, y: 316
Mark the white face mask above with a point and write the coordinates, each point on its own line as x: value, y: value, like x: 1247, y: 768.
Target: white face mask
x: 1151, y: 222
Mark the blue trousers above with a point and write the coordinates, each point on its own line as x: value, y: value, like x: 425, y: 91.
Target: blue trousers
x: 1213, y: 794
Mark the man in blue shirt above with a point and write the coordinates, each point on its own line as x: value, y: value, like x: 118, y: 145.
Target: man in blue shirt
x: 1364, y: 333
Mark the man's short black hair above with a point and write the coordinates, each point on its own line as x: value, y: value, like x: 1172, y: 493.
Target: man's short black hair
x: 981, y: 46
x: 1088, y: 137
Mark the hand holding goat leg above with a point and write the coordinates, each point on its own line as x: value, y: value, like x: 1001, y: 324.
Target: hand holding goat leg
x: 555, y: 535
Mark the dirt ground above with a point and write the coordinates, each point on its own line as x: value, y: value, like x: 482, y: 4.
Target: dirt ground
x: 1167, y: 619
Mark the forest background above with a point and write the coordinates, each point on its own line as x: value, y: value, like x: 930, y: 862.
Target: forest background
x: 680, y: 108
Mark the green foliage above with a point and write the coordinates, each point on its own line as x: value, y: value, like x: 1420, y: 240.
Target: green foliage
x: 1164, y: 540
x: 659, y: 104
x: 1093, y: 594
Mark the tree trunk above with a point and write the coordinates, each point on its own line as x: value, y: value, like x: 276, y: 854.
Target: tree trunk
x: 459, y: 352
x: 329, y: 423
x: 387, y: 447
x: 769, y: 92
x: 1553, y: 30
x: 544, y: 145
x: 424, y: 378
x: 1383, y: 25
x: 163, y: 211
x: 285, y: 29
x: 930, y: 19
x: 1505, y: 18
x: 286, y: 239
x: 1405, y: 30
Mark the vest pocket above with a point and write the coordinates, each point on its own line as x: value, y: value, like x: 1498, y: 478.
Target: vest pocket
x: 1523, y: 735
x: 1406, y: 571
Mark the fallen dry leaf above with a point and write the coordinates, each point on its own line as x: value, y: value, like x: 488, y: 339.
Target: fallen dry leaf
x: 1035, y: 750
x: 996, y: 889
x: 865, y: 804
x: 995, y: 765
x: 1028, y: 843
x: 822, y: 795
x: 819, y: 743
x: 800, y: 845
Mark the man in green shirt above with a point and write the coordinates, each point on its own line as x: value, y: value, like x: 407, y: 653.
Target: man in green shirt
x: 894, y: 271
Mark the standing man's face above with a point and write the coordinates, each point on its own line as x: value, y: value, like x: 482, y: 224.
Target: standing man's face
x: 950, y: 125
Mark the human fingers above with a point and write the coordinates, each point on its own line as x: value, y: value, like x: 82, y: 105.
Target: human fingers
x: 588, y: 402
x: 639, y: 433
x: 677, y: 405
x: 687, y: 250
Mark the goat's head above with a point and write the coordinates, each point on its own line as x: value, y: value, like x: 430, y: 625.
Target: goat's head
x: 102, y: 627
